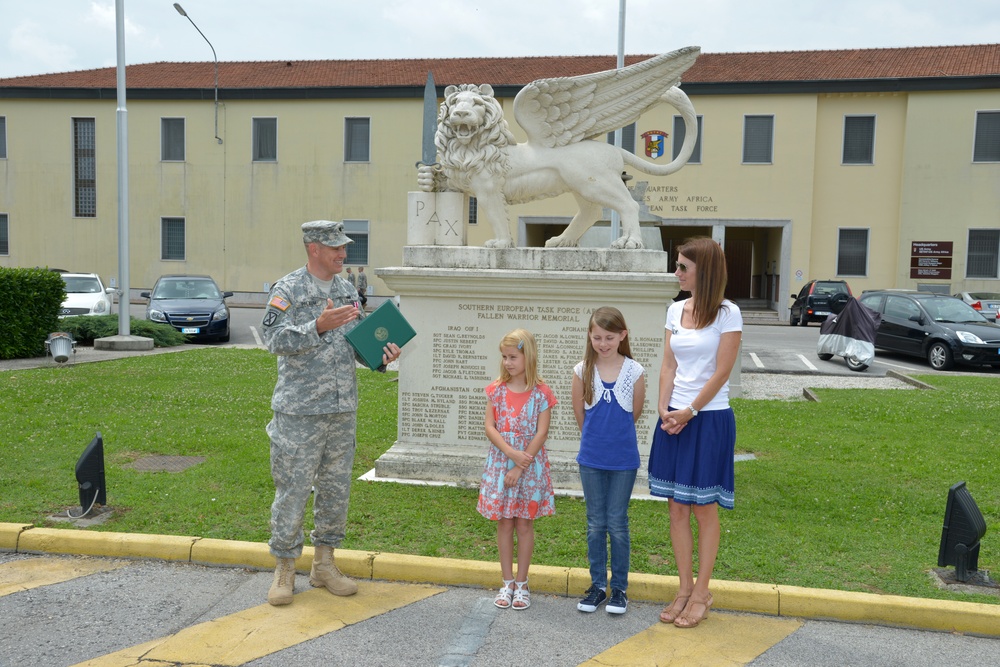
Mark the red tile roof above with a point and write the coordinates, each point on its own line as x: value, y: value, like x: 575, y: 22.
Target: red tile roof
x: 839, y: 65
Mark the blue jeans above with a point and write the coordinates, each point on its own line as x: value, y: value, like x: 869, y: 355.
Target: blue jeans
x: 607, y: 494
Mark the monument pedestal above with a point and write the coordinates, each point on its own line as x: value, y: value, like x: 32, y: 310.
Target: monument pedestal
x: 462, y: 300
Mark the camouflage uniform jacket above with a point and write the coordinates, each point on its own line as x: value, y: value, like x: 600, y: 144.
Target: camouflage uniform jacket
x: 316, y: 374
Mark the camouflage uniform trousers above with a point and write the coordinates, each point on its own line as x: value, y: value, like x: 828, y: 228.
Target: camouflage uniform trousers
x: 310, y: 451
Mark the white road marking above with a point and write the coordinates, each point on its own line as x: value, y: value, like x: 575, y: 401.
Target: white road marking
x: 256, y: 336
x: 756, y: 360
x: 808, y: 363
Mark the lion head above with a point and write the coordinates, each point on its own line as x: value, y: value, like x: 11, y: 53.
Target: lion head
x: 472, y: 132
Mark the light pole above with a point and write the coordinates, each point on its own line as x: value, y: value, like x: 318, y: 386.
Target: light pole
x: 180, y: 10
x: 615, y: 218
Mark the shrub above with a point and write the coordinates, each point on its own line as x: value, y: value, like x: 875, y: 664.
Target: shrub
x: 85, y: 328
x: 29, y: 304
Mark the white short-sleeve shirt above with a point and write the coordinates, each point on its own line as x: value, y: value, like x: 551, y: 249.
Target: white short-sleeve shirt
x: 696, y: 352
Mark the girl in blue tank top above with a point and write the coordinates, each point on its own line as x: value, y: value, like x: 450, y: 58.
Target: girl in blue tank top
x: 609, y: 390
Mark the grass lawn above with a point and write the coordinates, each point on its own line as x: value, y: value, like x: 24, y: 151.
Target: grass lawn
x: 847, y: 494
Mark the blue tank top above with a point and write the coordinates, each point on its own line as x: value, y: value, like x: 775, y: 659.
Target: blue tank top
x: 608, y: 439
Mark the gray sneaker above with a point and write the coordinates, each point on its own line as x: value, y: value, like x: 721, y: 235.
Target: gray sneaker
x: 595, y: 596
x: 618, y: 603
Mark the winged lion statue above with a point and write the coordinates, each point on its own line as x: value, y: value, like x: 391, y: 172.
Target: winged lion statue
x: 566, y: 120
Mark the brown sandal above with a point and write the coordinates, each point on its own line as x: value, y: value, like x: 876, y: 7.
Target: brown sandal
x: 672, y: 611
x: 691, y: 620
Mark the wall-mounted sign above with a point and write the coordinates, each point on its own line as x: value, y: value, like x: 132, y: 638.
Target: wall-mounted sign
x: 931, y: 260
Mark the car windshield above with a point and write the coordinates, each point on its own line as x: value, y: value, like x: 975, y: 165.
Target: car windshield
x: 990, y: 296
x: 951, y: 310
x: 82, y: 285
x: 186, y: 289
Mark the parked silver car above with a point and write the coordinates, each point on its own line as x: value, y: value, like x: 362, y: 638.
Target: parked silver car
x: 85, y: 295
x: 987, y: 303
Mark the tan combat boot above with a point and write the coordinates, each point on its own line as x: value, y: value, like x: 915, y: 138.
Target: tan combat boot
x: 284, y: 582
x: 325, y: 574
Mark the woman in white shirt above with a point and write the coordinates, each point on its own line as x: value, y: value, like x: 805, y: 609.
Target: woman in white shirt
x: 691, y: 459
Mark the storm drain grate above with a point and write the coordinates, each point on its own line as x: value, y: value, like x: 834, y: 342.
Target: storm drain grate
x: 166, y: 463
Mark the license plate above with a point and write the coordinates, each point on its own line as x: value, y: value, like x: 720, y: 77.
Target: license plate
x: 821, y: 312
x: 190, y: 330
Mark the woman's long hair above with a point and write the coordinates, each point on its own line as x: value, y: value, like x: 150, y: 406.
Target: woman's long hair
x: 609, y: 319
x: 711, y: 278
x: 524, y: 341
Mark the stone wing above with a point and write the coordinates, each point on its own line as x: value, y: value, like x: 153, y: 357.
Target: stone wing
x: 564, y: 110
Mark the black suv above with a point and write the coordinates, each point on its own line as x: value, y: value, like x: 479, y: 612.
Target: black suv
x: 817, y: 299
x: 942, y: 329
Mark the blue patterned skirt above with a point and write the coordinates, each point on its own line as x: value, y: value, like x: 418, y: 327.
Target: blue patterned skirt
x: 695, y: 467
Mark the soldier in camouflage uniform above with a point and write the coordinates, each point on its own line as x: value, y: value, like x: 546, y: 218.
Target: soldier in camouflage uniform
x: 315, y: 408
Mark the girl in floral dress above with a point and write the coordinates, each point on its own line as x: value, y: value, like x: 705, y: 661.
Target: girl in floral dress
x: 516, y: 485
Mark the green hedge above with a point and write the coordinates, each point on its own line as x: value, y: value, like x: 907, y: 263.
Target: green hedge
x: 85, y: 328
x: 29, y: 310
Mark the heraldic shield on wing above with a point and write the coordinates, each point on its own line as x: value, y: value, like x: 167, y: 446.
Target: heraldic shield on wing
x: 561, y: 116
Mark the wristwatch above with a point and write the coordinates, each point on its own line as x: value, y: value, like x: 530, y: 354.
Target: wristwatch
x: 694, y: 413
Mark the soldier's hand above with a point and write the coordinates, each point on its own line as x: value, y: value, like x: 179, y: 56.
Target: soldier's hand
x: 390, y: 353
x: 331, y: 317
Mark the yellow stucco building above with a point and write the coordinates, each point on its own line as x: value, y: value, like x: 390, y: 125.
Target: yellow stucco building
x: 880, y: 167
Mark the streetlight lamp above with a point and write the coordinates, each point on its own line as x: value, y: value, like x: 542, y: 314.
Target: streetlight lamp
x: 180, y: 10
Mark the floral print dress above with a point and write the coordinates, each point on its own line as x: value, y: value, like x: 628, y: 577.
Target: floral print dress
x: 532, y: 496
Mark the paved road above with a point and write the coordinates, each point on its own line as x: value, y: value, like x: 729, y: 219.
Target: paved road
x: 62, y: 610
x: 767, y: 349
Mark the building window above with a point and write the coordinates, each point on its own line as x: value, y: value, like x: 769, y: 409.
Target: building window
x: 3, y: 137
x: 357, y: 252
x: 680, y: 132
x: 987, y: 147
x: 852, y: 252
x: 84, y: 168
x: 473, y: 211
x: 172, y: 238
x: 984, y: 254
x: 172, y: 139
x: 628, y: 138
x: 859, y: 139
x: 357, y: 139
x: 265, y: 139
x: 4, y: 235
x: 758, y: 139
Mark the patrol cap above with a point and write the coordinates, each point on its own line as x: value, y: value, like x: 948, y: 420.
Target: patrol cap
x: 327, y: 232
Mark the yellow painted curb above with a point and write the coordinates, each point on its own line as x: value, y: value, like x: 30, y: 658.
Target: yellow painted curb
x: 210, y: 551
x: 9, y: 534
x: 115, y: 545
x: 424, y: 569
x: 453, y: 571
x: 946, y: 615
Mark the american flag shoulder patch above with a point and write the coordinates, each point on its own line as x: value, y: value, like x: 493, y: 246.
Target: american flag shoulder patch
x: 279, y: 303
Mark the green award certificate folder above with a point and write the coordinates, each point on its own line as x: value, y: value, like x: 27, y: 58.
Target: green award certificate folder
x: 384, y: 325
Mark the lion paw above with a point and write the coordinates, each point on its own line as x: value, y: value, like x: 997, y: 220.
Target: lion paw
x: 560, y: 242
x: 499, y: 243
x: 628, y: 243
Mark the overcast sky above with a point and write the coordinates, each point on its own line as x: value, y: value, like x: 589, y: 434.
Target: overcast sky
x: 42, y: 36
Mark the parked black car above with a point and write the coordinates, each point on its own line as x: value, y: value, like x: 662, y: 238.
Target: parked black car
x: 942, y: 329
x: 191, y: 304
x: 817, y: 299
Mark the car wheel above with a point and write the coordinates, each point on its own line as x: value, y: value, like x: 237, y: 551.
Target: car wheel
x: 791, y: 318
x: 939, y: 357
x: 803, y: 319
x: 826, y: 356
x: 855, y: 365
